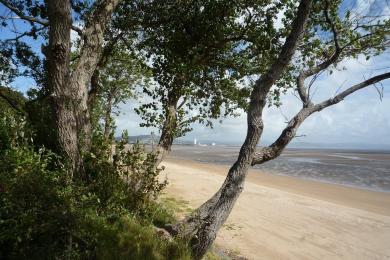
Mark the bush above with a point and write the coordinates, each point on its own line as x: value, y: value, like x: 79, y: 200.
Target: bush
x: 127, y: 181
x: 44, y: 215
x: 127, y: 239
x: 35, y: 205
x: 13, y: 131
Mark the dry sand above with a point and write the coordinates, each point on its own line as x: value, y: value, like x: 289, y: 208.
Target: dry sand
x: 278, y: 217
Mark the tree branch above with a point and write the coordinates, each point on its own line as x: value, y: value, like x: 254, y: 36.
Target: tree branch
x: 29, y: 33
x: 275, y: 149
x: 182, y: 103
x: 264, y: 84
x: 23, y: 16
x: 278, y: 67
x: 32, y: 19
x: 302, y: 91
x: 332, y: 26
x: 11, y: 103
x: 91, y: 52
x: 93, y: 35
x: 104, y: 58
x: 336, y: 99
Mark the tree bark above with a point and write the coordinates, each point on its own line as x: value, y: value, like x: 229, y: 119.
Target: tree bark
x: 81, y: 77
x: 168, y: 131
x: 104, y: 58
x: 95, y: 89
x: 58, y: 58
x: 275, y: 149
x: 202, y: 226
x: 70, y: 88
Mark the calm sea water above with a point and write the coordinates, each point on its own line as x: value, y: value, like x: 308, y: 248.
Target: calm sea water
x: 356, y: 168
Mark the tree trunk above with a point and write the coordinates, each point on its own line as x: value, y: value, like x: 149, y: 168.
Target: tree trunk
x: 203, y: 225
x: 168, y: 130
x: 90, y: 53
x: 95, y: 89
x: 107, y: 120
x: 58, y: 56
x: 81, y: 78
x: 70, y: 88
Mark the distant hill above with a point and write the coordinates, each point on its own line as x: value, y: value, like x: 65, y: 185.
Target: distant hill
x: 147, y: 139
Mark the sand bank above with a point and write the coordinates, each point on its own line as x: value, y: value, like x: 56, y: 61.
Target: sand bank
x: 278, y: 217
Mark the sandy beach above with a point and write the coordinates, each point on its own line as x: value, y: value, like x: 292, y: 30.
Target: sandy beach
x: 279, y: 217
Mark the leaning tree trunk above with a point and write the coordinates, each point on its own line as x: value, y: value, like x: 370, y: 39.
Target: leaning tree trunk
x: 203, y: 225
x: 58, y: 56
x: 90, y: 53
x: 168, y: 131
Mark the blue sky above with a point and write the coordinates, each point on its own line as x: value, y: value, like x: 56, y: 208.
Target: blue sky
x: 22, y: 83
x: 361, y: 118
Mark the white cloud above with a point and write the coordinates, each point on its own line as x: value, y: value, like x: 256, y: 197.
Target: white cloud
x: 360, y: 118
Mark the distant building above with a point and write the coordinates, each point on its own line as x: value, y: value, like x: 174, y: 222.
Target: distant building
x: 213, y: 144
x: 194, y: 141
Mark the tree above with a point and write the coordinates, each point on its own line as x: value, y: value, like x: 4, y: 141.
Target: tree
x: 321, y: 35
x: 194, y: 51
x: 115, y: 84
x: 68, y: 83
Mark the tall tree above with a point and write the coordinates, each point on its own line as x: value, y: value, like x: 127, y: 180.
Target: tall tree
x: 69, y: 83
x: 195, y: 52
x: 320, y: 36
x: 116, y: 83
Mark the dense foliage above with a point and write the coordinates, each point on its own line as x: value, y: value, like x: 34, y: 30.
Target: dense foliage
x: 44, y: 215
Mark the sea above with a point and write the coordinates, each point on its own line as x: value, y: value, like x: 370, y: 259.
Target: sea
x: 367, y: 169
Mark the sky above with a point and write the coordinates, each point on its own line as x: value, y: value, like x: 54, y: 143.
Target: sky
x: 362, y: 118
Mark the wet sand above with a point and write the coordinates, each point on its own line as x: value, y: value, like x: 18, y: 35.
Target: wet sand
x: 353, y: 168
x: 279, y: 217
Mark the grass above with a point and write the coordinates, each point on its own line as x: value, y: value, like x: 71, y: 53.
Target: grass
x: 177, y: 206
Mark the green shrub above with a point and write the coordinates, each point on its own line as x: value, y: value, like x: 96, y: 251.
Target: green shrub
x: 44, y: 215
x: 127, y: 239
x: 128, y: 180
x: 13, y: 131
x: 35, y: 206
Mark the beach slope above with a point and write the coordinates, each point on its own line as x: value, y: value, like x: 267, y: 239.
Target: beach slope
x: 287, y: 218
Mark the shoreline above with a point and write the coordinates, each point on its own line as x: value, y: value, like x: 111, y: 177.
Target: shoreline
x: 280, y: 217
x: 274, y: 173
x: 368, y: 171
x: 356, y: 197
